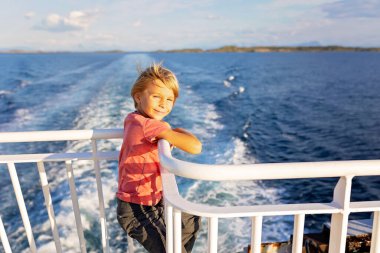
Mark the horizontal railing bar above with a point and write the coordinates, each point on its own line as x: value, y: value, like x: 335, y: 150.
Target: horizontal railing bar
x: 264, y: 210
x: 55, y: 157
x: 265, y: 170
x: 60, y: 135
x: 364, y: 206
x: 173, y: 198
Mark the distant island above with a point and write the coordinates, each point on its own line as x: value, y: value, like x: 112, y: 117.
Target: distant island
x: 224, y: 49
x: 264, y: 49
x: 21, y: 51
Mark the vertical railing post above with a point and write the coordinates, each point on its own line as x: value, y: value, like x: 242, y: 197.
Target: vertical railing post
x: 22, y: 207
x: 339, y: 221
x: 299, y: 222
x: 49, y: 206
x: 4, y: 238
x: 375, y: 239
x: 256, y: 231
x: 103, y: 221
x: 212, y: 235
x: 177, y: 231
x: 131, y: 246
x: 169, y: 227
x: 74, y: 199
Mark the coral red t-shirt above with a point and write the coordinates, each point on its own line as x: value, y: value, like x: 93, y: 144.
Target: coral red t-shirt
x: 139, y: 168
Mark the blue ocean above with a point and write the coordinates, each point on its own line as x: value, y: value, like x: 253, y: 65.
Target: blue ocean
x: 244, y: 107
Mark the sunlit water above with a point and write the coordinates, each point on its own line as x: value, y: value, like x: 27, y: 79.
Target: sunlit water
x: 246, y: 108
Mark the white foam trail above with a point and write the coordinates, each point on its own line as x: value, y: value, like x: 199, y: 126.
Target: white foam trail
x: 234, y: 234
x: 203, y: 115
x: 24, y: 83
x: 106, y: 110
x: 5, y: 92
x: 23, y: 116
x: 237, y: 153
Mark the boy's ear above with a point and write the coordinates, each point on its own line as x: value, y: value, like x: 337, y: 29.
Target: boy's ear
x: 137, y: 97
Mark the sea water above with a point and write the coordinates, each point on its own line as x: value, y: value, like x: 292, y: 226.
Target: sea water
x: 244, y: 107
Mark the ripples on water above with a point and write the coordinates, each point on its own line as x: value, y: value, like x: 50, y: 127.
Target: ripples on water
x: 246, y: 108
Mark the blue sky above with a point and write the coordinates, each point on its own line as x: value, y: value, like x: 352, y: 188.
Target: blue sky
x: 144, y: 25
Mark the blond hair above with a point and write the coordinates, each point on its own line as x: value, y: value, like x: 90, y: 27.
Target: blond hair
x: 155, y: 72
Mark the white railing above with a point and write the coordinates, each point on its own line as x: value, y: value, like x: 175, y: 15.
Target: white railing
x: 69, y: 159
x: 340, y: 207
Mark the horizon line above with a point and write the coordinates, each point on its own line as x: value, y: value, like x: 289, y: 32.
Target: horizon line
x: 16, y: 50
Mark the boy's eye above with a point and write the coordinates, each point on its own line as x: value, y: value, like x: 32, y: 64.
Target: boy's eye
x: 170, y: 99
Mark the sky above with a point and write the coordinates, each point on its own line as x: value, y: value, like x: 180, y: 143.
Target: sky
x: 147, y: 25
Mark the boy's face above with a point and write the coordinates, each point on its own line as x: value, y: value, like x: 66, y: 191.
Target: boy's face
x: 156, y: 101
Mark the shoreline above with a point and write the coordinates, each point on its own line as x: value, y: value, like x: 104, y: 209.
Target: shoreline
x: 271, y: 49
x: 224, y: 49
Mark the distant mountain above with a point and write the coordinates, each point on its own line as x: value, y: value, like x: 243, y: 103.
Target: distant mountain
x: 16, y: 49
x: 266, y: 49
x: 28, y: 51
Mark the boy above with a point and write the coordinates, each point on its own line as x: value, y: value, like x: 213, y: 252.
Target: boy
x: 140, y: 210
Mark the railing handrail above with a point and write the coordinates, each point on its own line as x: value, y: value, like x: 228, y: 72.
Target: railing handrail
x: 262, y: 171
x: 61, y: 135
x: 171, y: 166
x: 55, y: 157
x: 212, y: 172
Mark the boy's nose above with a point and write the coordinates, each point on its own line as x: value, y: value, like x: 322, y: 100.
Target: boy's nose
x: 162, y: 103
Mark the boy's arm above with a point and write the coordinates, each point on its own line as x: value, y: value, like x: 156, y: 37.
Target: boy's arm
x: 182, y: 139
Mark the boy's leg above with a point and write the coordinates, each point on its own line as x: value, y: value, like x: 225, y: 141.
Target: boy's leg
x: 146, y: 225
x: 191, y: 224
x: 143, y: 223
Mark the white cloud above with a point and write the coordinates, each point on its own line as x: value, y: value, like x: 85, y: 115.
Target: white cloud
x: 148, y: 8
x: 137, y: 23
x: 213, y: 17
x: 288, y: 3
x: 30, y: 15
x: 353, y: 9
x: 76, y: 20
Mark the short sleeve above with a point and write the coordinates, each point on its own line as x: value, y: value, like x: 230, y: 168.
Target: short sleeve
x: 152, y: 128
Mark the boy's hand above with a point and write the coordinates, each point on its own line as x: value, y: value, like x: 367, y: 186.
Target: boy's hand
x: 182, y: 139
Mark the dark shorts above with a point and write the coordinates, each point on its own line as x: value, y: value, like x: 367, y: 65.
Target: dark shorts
x: 146, y: 224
